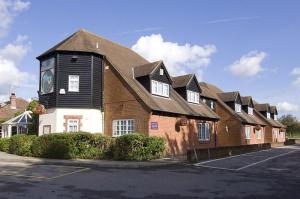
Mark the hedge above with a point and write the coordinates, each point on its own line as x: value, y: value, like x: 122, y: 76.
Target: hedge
x: 85, y: 146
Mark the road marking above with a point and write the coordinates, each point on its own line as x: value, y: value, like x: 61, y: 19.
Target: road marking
x: 200, y: 163
x: 270, y: 158
x: 66, y: 174
x: 221, y: 168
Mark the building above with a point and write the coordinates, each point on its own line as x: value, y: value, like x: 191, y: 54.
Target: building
x: 91, y: 84
x: 275, y: 131
x: 10, y: 109
x: 239, y: 123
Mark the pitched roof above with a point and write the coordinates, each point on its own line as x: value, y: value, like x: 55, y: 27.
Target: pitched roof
x: 6, y: 112
x: 145, y: 69
x: 230, y: 96
x: 123, y: 60
x: 181, y: 81
x: 205, y: 91
x: 246, y: 100
x: 273, y: 109
x: 262, y: 107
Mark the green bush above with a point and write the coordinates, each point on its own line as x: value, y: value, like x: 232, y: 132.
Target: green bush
x: 21, y: 144
x: 137, y: 147
x: 56, y: 145
x: 4, y: 144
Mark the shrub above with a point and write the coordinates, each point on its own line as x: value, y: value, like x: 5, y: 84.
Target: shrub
x: 56, y: 145
x: 137, y: 147
x: 4, y: 144
x: 21, y: 144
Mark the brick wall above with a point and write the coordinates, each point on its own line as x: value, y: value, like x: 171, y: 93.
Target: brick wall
x: 229, y: 128
x: 179, y: 139
x: 253, y: 136
x: 120, y: 103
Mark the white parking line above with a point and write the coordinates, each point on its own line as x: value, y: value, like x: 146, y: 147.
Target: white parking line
x: 270, y: 158
x: 221, y: 168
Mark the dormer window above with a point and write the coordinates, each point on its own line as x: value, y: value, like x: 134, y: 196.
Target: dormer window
x: 250, y: 110
x: 192, y: 97
x: 238, y: 108
x: 268, y: 115
x: 161, y: 72
x: 275, y: 117
x: 159, y: 88
x: 212, y: 105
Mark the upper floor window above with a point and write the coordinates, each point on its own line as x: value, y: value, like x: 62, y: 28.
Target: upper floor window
x: 212, y: 105
x: 192, y: 97
x: 73, y: 83
x: 250, y: 110
x: 268, y: 115
x: 47, y: 76
x: 275, y: 117
x: 203, y: 131
x: 161, y: 72
x: 238, y: 108
x: 159, y: 88
x: 122, y: 127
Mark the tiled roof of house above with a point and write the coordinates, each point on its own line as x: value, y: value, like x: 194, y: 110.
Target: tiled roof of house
x: 228, y: 96
x: 6, y: 112
x: 222, y: 98
x: 182, y: 81
x: 123, y: 60
x: 246, y: 100
x: 266, y: 107
x: 206, y: 91
x: 262, y: 107
x: 145, y: 69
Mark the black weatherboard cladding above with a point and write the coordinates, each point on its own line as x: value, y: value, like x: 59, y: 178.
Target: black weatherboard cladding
x: 161, y: 78
x: 182, y: 91
x: 145, y: 81
x: 97, y: 83
x: 193, y: 86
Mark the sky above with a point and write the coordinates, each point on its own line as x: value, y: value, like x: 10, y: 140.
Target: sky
x: 238, y: 45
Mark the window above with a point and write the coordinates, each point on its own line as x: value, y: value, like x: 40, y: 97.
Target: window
x: 204, y: 100
x: 258, y: 134
x: 161, y: 72
x: 250, y: 110
x: 46, y: 129
x: 268, y: 115
x: 276, y: 132
x: 122, y: 127
x: 248, y: 132
x: 238, y: 108
x: 159, y: 88
x: 275, y: 117
x: 212, y: 106
x: 73, y: 125
x: 73, y: 83
x: 192, y: 97
x: 47, y: 76
x: 203, y: 131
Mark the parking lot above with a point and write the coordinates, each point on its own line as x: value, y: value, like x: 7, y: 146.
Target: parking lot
x: 266, y: 174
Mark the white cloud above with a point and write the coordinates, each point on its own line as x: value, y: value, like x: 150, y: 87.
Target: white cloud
x: 9, y: 9
x: 10, y: 58
x: 179, y: 59
x: 248, y: 65
x: 287, y: 107
x: 296, y: 72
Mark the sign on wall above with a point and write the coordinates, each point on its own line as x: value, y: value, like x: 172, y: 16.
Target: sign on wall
x: 154, y: 125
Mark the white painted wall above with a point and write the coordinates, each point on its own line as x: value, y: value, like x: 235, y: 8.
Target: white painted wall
x: 92, y: 119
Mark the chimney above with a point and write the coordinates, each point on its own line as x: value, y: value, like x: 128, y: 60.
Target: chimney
x: 13, y: 101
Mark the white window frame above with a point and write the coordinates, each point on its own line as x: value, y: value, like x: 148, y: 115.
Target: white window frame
x: 212, y: 105
x: 204, y: 131
x: 73, y: 85
x: 76, y: 126
x: 192, y: 97
x: 161, y: 72
x: 276, y: 133
x: 259, y: 134
x: 123, y: 127
x: 275, y: 117
x: 238, y: 107
x: 268, y: 115
x: 159, y: 88
x: 250, y: 110
x: 247, y: 132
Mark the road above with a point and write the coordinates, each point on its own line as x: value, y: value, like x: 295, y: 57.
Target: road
x: 270, y: 174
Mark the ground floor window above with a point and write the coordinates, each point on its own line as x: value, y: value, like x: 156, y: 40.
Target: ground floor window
x: 122, y: 127
x: 276, y: 132
x: 248, y: 132
x: 258, y: 134
x: 46, y: 129
x: 73, y: 125
x: 203, y: 131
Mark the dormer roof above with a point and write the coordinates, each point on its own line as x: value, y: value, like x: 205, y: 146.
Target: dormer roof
x: 229, y: 96
x: 262, y: 107
x: 184, y: 81
x: 247, y: 100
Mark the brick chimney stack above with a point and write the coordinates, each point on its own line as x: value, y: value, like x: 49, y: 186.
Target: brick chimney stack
x: 13, y: 101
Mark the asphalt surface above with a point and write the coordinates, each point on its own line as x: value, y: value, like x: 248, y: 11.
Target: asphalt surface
x: 268, y: 174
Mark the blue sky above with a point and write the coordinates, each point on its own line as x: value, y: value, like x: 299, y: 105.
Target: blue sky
x: 248, y: 46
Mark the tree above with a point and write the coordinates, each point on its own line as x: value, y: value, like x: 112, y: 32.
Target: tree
x: 293, y: 125
x: 33, y: 128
